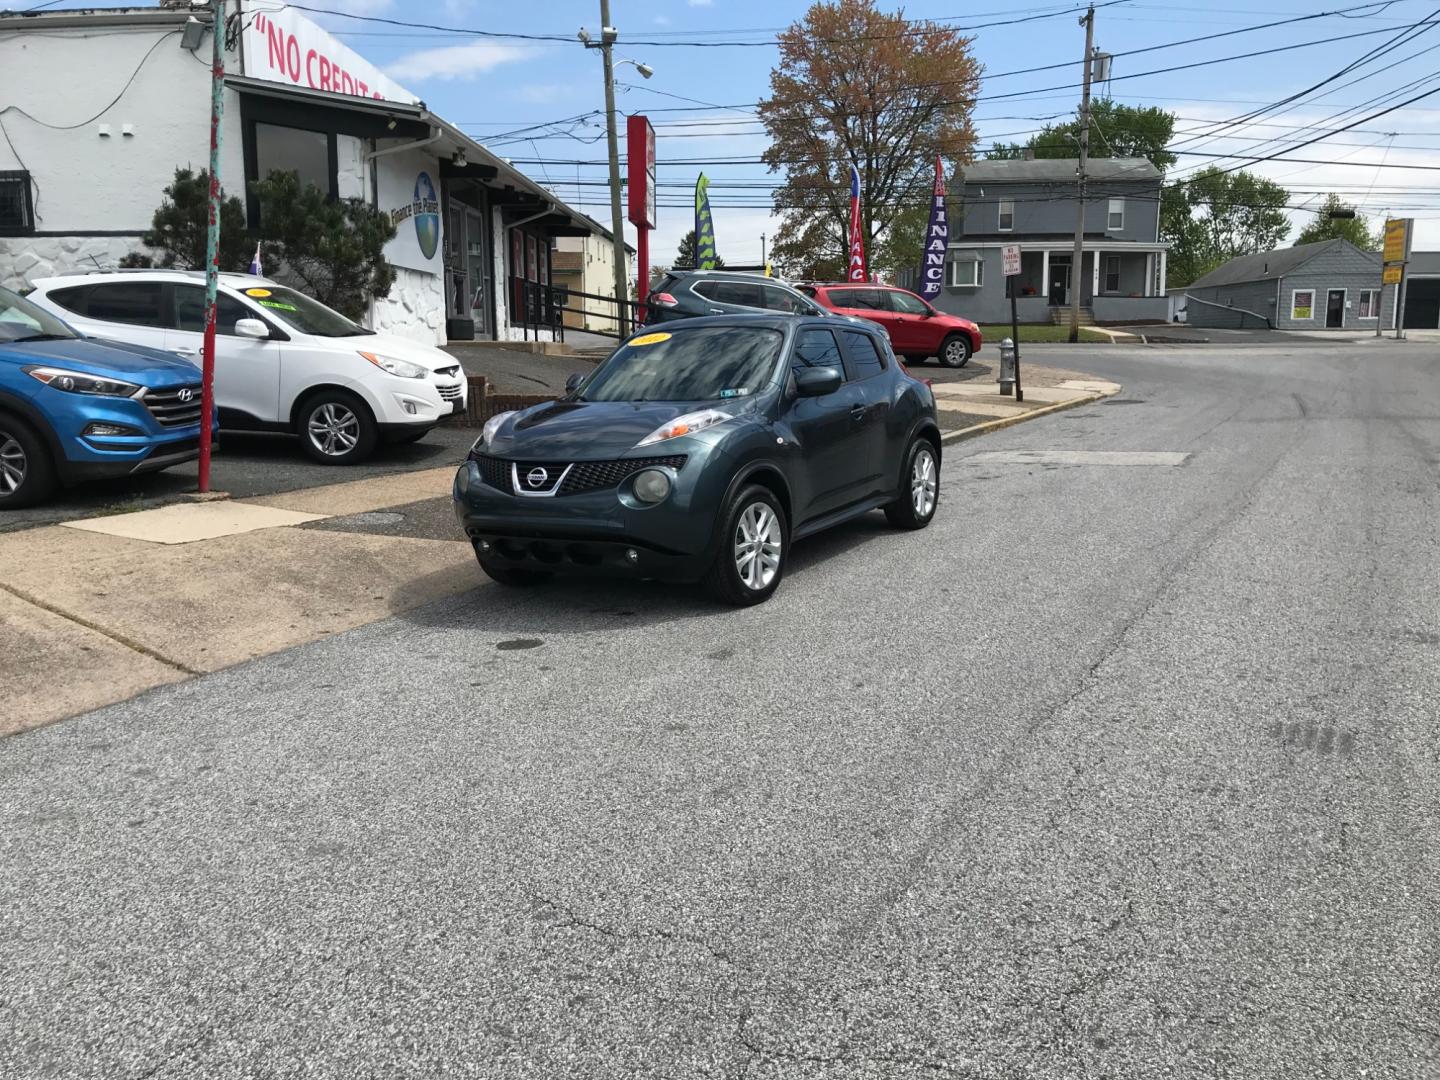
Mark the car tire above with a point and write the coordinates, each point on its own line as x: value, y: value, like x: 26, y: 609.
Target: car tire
x: 754, y: 543
x: 27, y: 475
x: 512, y: 577
x: 919, y: 488
x: 955, y: 351
x: 339, y: 420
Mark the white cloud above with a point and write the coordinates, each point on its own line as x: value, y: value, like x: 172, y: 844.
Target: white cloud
x: 455, y: 61
x: 541, y: 93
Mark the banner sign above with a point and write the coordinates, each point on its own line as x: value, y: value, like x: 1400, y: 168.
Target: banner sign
x: 640, y: 158
x: 704, y: 226
x: 1397, y: 240
x: 281, y: 45
x: 937, y: 238
x: 1393, y: 275
x: 408, y: 192
x: 856, y: 270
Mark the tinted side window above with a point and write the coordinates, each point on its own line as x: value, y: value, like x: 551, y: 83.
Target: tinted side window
x: 76, y: 298
x: 862, y: 299
x: 740, y: 293
x: 905, y: 303
x: 190, y: 311
x: 133, y: 302
x: 816, y: 348
x: 780, y: 300
x: 863, y: 354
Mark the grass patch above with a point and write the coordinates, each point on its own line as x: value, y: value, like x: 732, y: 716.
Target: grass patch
x: 1041, y: 332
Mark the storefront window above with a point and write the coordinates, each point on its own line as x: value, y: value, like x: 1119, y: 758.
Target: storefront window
x: 288, y: 149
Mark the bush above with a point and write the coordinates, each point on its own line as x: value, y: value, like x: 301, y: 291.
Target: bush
x: 178, y: 229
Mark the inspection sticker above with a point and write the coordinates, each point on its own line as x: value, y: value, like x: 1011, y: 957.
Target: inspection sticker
x: 742, y: 392
x: 649, y: 339
x: 257, y: 293
x: 277, y: 304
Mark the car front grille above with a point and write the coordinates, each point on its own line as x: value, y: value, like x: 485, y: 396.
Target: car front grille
x: 450, y: 393
x: 449, y: 372
x: 583, y: 476
x: 171, y: 408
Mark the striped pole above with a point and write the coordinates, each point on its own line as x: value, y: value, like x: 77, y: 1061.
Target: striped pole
x: 212, y: 239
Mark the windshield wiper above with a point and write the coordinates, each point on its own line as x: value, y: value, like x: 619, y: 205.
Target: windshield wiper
x: 43, y: 337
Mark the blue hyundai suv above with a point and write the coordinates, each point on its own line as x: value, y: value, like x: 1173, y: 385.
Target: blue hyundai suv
x: 74, y: 408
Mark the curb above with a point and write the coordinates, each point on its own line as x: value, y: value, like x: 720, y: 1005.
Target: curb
x: 961, y: 434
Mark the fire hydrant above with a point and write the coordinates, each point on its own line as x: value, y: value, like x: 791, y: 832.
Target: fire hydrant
x: 1007, y: 368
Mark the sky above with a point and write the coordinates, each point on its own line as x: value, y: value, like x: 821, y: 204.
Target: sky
x: 492, y: 87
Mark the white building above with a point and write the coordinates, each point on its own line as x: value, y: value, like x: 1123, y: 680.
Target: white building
x: 101, y: 106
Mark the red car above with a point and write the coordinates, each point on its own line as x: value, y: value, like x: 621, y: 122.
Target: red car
x: 916, y: 329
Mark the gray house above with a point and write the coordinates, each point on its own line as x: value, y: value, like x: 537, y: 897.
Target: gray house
x: 1121, y: 276
x: 1422, y: 291
x: 1330, y: 285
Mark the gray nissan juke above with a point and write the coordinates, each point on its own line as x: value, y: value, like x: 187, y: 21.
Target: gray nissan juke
x: 701, y: 452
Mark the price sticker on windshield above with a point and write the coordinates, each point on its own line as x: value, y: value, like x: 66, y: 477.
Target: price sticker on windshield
x: 257, y: 293
x: 649, y: 339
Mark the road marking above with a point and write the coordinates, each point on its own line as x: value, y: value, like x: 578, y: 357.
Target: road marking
x: 1078, y: 457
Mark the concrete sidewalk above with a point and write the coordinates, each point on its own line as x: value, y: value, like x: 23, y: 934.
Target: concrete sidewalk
x: 100, y: 609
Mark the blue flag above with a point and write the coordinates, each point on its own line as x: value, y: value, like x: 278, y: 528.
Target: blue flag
x: 704, y: 226
x: 937, y: 238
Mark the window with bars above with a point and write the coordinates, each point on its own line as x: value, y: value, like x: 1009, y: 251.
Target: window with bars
x: 17, y: 209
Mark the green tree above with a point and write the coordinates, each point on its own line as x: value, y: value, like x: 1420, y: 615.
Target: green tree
x: 178, y: 229
x: 1214, y: 216
x: 332, y: 250
x: 1326, y: 226
x: 857, y: 84
x: 685, y: 256
x: 1116, y: 130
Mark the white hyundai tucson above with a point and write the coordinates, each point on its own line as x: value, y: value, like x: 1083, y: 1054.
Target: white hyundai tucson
x: 283, y: 361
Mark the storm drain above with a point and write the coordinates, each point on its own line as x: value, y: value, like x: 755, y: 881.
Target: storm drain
x: 1079, y: 457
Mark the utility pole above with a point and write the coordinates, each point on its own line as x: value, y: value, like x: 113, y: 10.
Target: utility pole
x: 764, y: 266
x: 1077, y: 260
x: 608, y: 35
x: 212, y: 239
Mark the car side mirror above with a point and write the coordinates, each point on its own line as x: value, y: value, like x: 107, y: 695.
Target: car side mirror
x: 251, y: 328
x: 818, y: 381
x: 573, y: 381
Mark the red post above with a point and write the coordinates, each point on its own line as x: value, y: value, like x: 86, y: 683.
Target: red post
x: 212, y: 239
x: 642, y: 279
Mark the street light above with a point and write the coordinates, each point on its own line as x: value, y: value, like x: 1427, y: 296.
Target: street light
x: 608, y: 37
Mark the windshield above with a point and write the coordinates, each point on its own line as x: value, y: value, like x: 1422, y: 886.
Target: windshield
x: 20, y: 320
x: 705, y: 364
x: 302, y: 313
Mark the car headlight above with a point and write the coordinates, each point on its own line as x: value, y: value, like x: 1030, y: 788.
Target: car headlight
x: 651, y: 486
x: 688, y: 424
x: 402, y: 368
x: 488, y: 431
x: 77, y: 382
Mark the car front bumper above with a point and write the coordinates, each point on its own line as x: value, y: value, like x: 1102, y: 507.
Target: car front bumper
x: 596, y: 532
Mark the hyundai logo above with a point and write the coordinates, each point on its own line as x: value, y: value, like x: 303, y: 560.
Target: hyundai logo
x: 536, y: 477
x: 185, y: 393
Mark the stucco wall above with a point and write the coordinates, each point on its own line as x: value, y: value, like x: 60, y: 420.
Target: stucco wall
x: 414, y: 309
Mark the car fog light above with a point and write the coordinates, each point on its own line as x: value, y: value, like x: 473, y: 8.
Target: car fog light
x: 651, y: 486
x: 410, y: 407
x: 484, y: 545
x: 632, y: 555
x: 108, y: 429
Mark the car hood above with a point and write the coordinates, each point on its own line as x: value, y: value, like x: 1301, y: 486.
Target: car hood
x: 108, y: 359
x: 586, y: 430
x: 415, y: 352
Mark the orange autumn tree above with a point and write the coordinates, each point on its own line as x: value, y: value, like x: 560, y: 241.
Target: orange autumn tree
x: 858, y: 84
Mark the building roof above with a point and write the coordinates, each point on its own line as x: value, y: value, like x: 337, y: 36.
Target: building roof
x: 1269, y: 265
x: 1424, y: 262
x: 1024, y: 170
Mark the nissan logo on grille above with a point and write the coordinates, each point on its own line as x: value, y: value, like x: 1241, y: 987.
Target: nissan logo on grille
x: 185, y: 394
x: 536, y: 477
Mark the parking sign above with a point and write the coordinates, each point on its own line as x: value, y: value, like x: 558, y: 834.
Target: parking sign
x: 1012, y: 259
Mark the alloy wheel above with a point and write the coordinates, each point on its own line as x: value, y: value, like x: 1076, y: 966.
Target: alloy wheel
x: 13, y: 464
x: 757, y: 546
x: 955, y: 352
x: 924, y: 483
x: 334, y: 429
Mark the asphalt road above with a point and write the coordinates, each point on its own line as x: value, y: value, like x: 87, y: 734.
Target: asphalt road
x: 1117, y: 770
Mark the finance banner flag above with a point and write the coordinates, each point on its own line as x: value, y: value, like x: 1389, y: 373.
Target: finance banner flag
x: 937, y: 238
x: 856, y: 271
x: 704, y: 226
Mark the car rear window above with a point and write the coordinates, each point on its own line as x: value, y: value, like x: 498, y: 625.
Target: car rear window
x: 136, y: 303
x: 76, y: 298
x: 739, y: 293
x: 863, y: 299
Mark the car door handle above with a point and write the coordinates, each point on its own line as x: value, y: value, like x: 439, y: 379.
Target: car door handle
x: 857, y: 411
x: 187, y: 352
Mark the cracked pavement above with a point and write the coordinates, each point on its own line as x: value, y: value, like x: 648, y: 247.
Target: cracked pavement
x: 1112, y: 772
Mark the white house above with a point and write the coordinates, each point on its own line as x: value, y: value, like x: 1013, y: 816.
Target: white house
x: 101, y: 106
